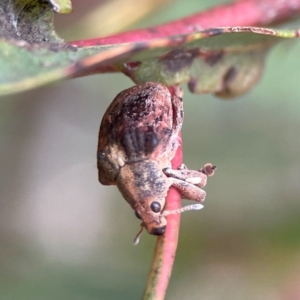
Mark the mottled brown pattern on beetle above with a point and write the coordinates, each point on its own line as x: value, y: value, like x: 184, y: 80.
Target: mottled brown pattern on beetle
x: 139, y: 185
x: 139, y: 123
x: 138, y: 139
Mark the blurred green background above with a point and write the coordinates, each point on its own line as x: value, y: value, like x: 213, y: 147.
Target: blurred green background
x: 64, y: 236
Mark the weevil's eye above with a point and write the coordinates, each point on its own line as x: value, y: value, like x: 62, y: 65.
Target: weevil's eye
x: 155, y: 206
x: 137, y: 215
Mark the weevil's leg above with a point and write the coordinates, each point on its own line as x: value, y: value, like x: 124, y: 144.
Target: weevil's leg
x: 194, y: 177
x: 188, y: 191
x: 208, y: 169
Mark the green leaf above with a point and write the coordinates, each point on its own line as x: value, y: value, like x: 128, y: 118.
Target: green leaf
x: 226, y: 61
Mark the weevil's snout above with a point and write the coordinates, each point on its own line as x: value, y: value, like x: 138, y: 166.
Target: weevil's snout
x: 157, y: 226
x: 158, y: 230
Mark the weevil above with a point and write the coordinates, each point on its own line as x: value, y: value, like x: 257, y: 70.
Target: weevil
x: 138, y: 138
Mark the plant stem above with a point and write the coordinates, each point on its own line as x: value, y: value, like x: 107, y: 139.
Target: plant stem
x: 236, y: 13
x: 166, y: 245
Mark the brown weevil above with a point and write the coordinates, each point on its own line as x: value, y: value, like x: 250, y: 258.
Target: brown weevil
x: 138, y: 139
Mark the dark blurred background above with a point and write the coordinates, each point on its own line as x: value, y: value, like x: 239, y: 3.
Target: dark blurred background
x: 63, y: 236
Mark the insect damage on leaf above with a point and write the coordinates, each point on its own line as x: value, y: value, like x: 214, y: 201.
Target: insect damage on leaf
x: 138, y: 139
x: 227, y: 72
x: 27, y: 20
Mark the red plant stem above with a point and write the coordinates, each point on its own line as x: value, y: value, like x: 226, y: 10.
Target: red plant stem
x: 239, y: 13
x: 166, y: 245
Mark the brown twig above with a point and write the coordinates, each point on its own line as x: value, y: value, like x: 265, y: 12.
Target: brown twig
x: 166, y: 245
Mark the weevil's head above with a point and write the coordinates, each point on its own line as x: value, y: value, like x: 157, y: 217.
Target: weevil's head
x: 144, y: 186
x: 150, y: 212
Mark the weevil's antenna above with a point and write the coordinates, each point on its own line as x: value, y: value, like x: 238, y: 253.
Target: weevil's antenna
x: 195, y: 206
x: 137, y: 237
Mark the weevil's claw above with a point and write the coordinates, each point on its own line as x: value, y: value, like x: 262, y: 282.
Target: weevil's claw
x: 208, y: 169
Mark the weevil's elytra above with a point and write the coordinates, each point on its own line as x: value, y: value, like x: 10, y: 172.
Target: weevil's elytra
x: 137, y: 141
